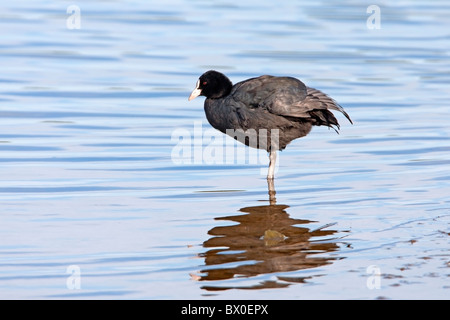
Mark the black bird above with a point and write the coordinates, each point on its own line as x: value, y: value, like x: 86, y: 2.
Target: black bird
x: 266, y: 112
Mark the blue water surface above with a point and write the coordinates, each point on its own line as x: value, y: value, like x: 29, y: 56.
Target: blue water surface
x: 97, y: 202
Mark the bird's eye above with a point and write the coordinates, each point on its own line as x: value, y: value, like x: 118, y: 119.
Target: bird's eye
x: 204, y: 83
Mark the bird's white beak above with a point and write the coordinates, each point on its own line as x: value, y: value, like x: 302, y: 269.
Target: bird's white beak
x: 197, y: 91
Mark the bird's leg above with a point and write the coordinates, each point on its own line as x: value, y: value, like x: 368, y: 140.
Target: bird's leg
x: 272, y: 192
x: 273, y: 159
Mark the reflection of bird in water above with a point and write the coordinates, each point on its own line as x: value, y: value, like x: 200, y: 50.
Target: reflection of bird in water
x: 264, y: 240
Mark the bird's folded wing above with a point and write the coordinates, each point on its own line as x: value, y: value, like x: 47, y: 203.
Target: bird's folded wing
x: 303, y: 107
x: 284, y: 96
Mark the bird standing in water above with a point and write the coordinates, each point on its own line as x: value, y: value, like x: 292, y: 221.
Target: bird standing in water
x: 266, y: 112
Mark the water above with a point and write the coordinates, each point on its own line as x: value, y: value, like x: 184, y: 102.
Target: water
x: 94, y: 204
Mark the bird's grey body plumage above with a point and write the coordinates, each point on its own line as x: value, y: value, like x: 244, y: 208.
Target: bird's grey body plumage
x: 268, y: 103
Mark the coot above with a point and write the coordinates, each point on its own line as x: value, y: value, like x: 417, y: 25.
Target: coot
x: 266, y: 112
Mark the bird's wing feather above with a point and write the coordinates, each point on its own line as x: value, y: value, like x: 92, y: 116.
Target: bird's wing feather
x: 307, y: 106
x: 274, y: 94
x: 317, y: 100
x: 286, y: 96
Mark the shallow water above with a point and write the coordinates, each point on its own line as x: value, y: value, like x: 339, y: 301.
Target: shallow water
x: 96, y: 204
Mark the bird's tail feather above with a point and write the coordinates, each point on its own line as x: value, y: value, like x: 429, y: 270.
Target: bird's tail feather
x: 321, y: 114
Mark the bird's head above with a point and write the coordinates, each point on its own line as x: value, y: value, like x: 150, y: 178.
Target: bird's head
x: 212, y: 85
